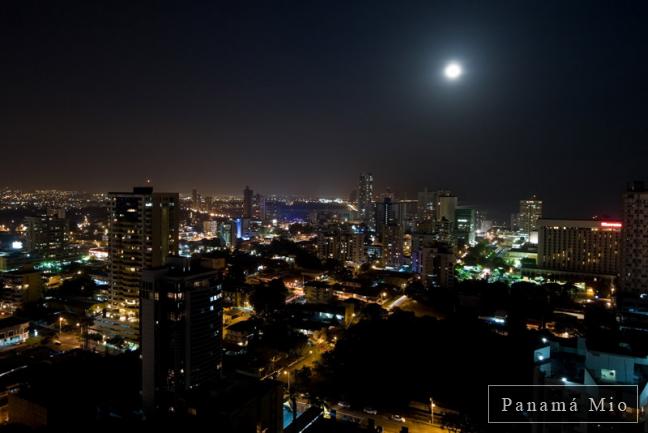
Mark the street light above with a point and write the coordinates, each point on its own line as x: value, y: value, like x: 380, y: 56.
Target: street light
x: 60, y: 326
x: 287, y: 374
x: 431, y: 411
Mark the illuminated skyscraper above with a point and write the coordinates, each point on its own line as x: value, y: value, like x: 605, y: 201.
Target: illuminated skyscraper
x: 366, y: 199
x: 143, y: 233
x: 426, y: 205
x: 446, y: 204
x: 465, y: 224
x: 530, y: 213
x: 634, y: 275
x: 583, y: 247
x: 47, y: 235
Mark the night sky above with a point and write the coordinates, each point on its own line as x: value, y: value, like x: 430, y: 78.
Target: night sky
x: 299, y: 97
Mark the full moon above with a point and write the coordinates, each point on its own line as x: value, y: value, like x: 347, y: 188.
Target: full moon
x: 452, y: 71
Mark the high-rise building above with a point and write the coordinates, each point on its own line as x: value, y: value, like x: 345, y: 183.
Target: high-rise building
x: 465, y: 224
x: 181, y: 322
x: 143, y: 234
x: 195, y: 199
x: 584, y: 247
x: 530, y: 213
x: 385, y: 215
x: 47, y: 234
x: 259, y: 207
x: 210, y: 228
x: 248, y: 195
x: 426, y: 205
x: 634, y: 275
x: 344, y: 243
x: 446, y: 204
x: 366, y: 199
x: 433, y: 260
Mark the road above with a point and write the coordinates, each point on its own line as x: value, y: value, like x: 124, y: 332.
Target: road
x: 415, y: 425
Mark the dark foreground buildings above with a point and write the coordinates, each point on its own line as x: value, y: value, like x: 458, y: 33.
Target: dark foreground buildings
x: 181, y: 331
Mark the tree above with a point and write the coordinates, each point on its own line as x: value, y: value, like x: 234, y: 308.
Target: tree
x: 268, y: 298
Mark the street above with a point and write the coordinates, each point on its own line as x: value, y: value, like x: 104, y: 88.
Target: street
x: 415, y: 425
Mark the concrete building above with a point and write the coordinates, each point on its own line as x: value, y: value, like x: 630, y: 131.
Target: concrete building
x: 47, y: 234
x: 634, y: 275
x: 585, y: 247
x: 426, y: 205
x: 446, y: 205
x: 574, y: 362
x: 530, y: 213
x: 18, y: 288
x: 433, y: 260
x: 366, y: 199
x: 318, y: 292
x: 181, y: 328
x: 344, y: 243
x: 13, y: 331
x: 465, y: 224
x: 143, y: 234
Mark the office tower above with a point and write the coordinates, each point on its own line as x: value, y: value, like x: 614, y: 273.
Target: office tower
x: 585, y: 247
x: 465, y: 224
x: 385, y: 215
x: 634, y: 277
x: 210, y: 228
x: 446, y: 204
x: 143, y: 234
x: 390, y: 230
x: 259, y: 207
x: 47, y: 235
x: 530, y: 212
x: 343, y: 243
x: 195, y: 199
x: 433, y: 260
x: 366, y: 199
x: 247, y: 202
x: 227, y: 233
x: 181, y: 323
x: 426, y: 205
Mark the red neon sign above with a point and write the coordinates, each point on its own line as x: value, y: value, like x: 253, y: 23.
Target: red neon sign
x: 611, y: 224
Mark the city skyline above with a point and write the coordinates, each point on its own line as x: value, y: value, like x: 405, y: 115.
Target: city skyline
x: 281, y: 96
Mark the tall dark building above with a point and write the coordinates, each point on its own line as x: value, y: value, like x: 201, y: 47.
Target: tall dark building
x: 195, y: 199
x: 464, y: 224
x: 47, y: 235
x: 143, y: 233
x: 248, y: 196
x: 366, y: 199
x: 634, y: 271
x: 181, y: 327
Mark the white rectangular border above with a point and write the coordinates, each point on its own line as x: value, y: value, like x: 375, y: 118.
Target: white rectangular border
x: 563, y: 422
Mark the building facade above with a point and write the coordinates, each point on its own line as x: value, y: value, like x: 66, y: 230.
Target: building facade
x: 181, y: 329
x: 530, y: 213
x: 587, y: 247
x: 47, y: 234
x: 366, y: 199
x: 143, y: 234
x: 634, y: 277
